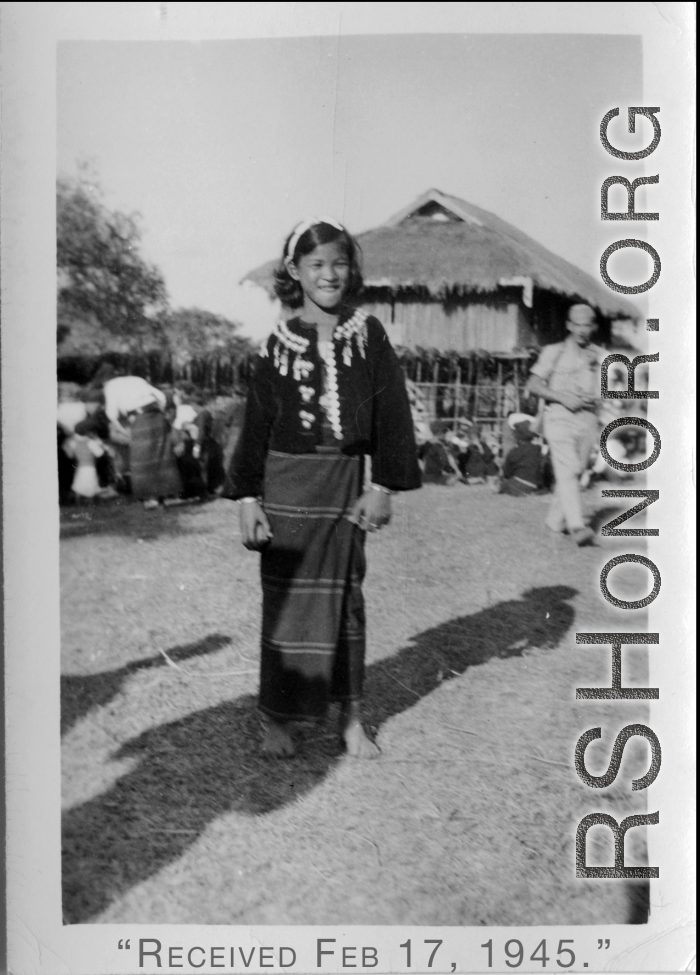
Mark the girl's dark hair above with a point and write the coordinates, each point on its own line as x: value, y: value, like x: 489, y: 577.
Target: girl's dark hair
x: 288, y: 290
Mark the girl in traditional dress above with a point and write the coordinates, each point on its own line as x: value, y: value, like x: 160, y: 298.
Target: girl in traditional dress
x: 327, y: 391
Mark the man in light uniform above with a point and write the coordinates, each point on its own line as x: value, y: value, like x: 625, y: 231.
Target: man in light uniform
x: 567, y: 377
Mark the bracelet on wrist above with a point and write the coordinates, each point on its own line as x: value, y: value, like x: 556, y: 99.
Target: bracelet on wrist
x: 247, y: 500
x: 380, y: 487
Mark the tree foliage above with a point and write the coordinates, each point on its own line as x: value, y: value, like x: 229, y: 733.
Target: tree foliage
x: 111, y: 299
x: 194, y: 333
x: 103, y: 279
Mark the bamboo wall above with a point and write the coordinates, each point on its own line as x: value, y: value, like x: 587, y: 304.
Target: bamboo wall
x: 219, y: 373
x: 479, y: 325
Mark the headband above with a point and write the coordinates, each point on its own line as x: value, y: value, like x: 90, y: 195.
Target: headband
x: 301, y: 229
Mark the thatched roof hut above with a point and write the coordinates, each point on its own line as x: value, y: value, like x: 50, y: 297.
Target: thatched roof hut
x: 447, y: 276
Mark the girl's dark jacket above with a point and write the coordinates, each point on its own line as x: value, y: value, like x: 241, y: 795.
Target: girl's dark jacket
x: 365, y: 403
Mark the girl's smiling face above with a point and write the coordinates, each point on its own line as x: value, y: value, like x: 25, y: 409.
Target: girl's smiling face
x: 323, y: 275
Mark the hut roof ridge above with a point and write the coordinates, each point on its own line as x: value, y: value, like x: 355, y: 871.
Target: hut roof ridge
x: 475, y: 253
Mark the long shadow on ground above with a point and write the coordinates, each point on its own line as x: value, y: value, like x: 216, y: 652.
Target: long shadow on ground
x: 192, y: 771
x: 81, y: 693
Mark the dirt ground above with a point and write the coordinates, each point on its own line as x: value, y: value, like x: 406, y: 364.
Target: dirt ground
x: 468, y: 817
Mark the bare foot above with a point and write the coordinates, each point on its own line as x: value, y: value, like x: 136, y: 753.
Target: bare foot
x: 277, y: 741
x: 357, y: 743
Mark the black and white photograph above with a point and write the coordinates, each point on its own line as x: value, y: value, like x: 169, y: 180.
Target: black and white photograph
x: 354, y: 494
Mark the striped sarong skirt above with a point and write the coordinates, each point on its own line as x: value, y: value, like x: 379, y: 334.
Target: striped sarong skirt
x: 154, y: 472
x: 313, y: 630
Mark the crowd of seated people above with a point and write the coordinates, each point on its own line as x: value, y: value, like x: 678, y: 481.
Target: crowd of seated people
x: 121, y: 435
x: 516, y: 463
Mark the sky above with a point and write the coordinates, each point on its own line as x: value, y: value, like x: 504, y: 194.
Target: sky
x: 223, y: 146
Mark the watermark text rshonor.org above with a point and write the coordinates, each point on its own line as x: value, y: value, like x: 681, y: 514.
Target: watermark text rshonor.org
x: 616, y: 641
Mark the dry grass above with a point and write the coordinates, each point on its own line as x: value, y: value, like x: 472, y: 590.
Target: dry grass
x: 171, y: 815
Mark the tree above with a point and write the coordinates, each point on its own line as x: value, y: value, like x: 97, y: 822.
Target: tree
x: 103, y: 280
x: 194, y: 333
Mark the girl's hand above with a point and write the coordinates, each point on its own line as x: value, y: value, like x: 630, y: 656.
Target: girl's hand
x: 371, y: 511
x: 255, y: 528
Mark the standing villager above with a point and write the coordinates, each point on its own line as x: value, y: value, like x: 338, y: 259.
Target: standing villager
x: 327, y: 391
x: 211, y: 454
x: 71, y: 410
x: 96, y: 427
x: 84, y: 450
x: 136, y: 409
x: 227, y: 426
x: 567, y: 376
